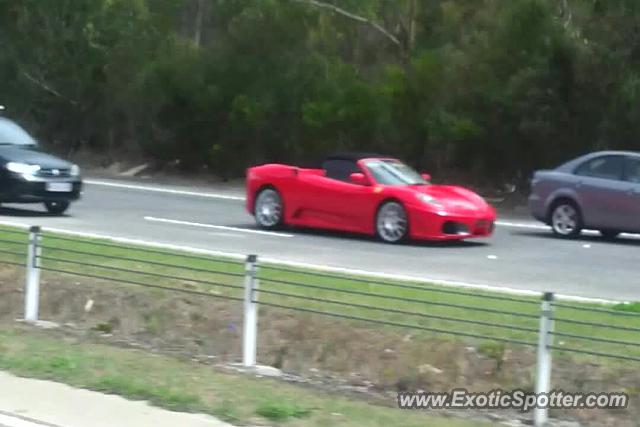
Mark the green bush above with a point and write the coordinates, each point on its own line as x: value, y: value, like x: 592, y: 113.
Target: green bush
x: 281, y: 411
x: 496, y: 89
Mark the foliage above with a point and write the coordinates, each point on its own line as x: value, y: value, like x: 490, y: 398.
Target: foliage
x: 281, y: 411
x: 633, y: 307
x: 493, y: 88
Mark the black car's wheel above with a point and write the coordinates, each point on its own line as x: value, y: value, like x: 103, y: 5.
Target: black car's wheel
x: 57, y: 208
x: 609, y: 234
x: 392, y: 224
x: 268, y: 211
x: 565, y: 219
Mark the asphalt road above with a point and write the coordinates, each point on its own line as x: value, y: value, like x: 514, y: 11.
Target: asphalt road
x: 522, y: 254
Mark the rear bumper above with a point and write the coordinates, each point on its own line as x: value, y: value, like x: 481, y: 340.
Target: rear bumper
x: 434, y: 226
x: 19, y: 190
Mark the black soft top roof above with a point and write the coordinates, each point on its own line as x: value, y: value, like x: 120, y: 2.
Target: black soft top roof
x: 351, y: 156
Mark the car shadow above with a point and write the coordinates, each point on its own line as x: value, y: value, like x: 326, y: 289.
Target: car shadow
x: 586, y: 238
x: 357, y: 237
x: 27, y: 213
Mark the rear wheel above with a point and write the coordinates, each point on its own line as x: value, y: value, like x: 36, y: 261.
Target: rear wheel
x: 56, y: 208
x: 268, y: 209
x: 392, y: 225
x: 566, y: 219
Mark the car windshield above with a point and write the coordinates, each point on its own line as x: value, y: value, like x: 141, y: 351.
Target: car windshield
x: 12, y: 134
x: 394, y: 172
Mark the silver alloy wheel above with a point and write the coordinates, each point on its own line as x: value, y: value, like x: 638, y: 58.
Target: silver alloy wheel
x: 391, y: 222
x: 268, y: 210
x: 564, y: 219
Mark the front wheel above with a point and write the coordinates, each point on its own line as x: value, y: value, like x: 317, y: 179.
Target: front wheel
x: 566, y: 220
x: 269, y: 209
x: 392, y: 225
x: 56, y: 208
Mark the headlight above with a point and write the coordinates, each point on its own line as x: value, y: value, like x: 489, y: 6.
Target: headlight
x: 75, y: 170
x: 22, y: 168
x: 430, y: 200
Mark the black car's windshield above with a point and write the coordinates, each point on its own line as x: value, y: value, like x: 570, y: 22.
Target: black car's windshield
x: 393, y: 172
x: 12, y: 134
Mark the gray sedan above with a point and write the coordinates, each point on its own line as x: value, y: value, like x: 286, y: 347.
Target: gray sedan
x: 598, y: 191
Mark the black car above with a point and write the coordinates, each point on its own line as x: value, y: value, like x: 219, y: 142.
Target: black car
x: 29, y: 175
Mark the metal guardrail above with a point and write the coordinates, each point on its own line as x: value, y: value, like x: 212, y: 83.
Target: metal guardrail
x: 533, y: 323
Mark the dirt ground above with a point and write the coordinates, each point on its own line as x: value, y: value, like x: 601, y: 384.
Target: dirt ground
x: 334, y: 354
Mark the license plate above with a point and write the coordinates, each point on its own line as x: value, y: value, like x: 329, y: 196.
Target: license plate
x: 59, y: 187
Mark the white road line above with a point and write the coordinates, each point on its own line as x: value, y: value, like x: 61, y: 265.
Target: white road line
x: 130, y: 241
x: 546, y: 227
x: 522, y: 225
x: 8, y: 420
x: 162, y: 190
x: 320, y: 267
x: 216, y: 227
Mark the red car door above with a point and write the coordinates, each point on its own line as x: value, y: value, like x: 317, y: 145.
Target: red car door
x: 332, y: 201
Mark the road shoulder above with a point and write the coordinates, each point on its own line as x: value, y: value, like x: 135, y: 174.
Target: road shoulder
x: 34, y: 402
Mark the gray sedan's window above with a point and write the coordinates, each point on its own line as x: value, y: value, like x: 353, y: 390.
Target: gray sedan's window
x: 632, y: 169
x: 605, y: 167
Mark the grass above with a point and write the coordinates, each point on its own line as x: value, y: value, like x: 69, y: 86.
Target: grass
x: 631, y: 307
x: 185, y: 386
x: 281, y: 411
x: 417, y: 305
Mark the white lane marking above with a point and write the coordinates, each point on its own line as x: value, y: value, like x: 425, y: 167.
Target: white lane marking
x: 163, y: 190
x: 216, y: 227
x: 522, y: 225
x: 7, y: 420
x: 321, y: 267
x: 546, y: 227
x: 129, y: 241
x: 492, y: 257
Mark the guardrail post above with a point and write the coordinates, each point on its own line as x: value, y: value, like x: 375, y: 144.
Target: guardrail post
x: 32, y: 283
x: 543, y: 373
x: 250, y: 321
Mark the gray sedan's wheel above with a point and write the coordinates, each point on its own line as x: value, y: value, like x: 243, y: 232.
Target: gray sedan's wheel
x: 268, y: 209
x: 566, y: 220
x: 392, y: 224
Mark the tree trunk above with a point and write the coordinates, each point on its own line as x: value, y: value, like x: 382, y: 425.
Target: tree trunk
x: 197, y: 37
x: 411, y: 39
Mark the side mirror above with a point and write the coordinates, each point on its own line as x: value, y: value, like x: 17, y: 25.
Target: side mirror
x: 426, y: 177
x: 358, y: 178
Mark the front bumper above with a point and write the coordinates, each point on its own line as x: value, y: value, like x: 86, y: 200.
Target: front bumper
x: 17, y: 189
x: 537, y: 208
x: 425, y: 225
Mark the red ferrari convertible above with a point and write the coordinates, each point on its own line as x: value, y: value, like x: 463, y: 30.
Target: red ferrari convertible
x: 368, y: 194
